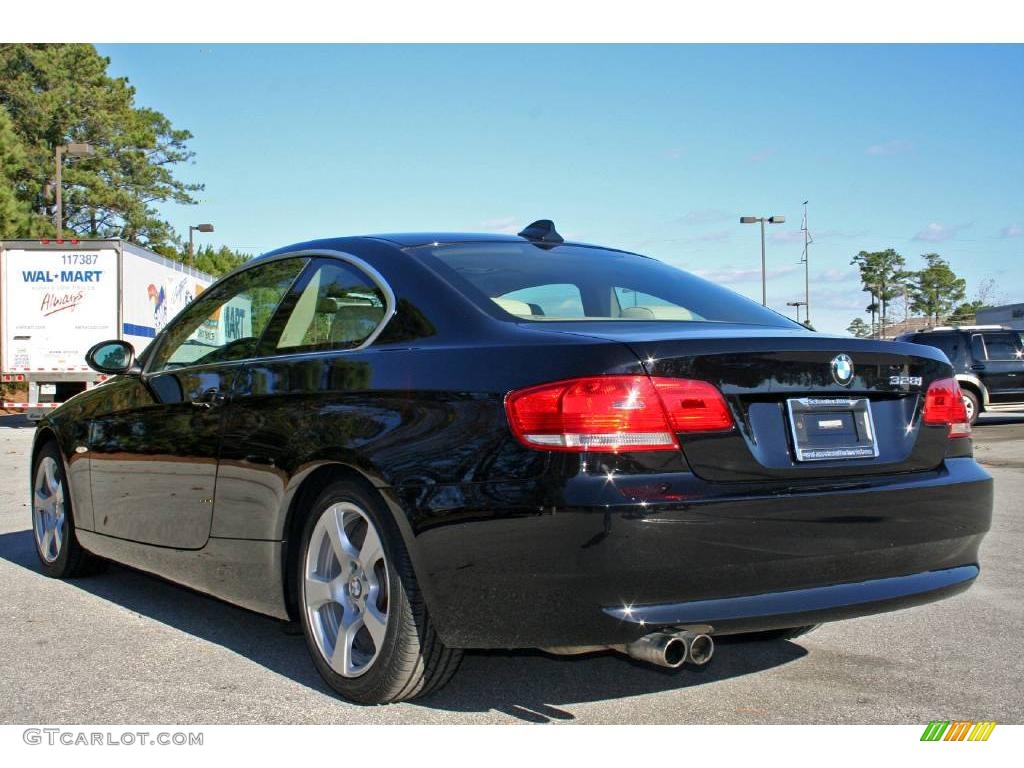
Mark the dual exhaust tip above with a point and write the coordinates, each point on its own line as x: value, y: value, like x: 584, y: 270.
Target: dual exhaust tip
x: 671, y: 649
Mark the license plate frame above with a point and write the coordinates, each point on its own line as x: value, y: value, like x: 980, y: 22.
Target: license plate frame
x: 811, y: 419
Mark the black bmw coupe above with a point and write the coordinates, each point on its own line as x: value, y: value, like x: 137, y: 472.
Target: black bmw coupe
x: 416, y: 444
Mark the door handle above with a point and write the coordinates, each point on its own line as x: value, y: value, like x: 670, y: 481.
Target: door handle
x: 977, y: 367
x: 210, y: 398
x: 254, y: 459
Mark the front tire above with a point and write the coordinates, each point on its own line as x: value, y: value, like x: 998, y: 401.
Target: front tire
x: 363, y: 616
x: 53, y: 524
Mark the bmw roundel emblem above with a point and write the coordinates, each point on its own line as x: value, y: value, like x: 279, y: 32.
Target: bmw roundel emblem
x: 842, y: 369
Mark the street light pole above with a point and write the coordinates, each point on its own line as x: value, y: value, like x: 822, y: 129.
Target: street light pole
x: 764, y: 270
x: 196, y: 228
x: 58, y: 221
x: 71, y: 150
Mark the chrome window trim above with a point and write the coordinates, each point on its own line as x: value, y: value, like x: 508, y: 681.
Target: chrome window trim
x: 390, y: 308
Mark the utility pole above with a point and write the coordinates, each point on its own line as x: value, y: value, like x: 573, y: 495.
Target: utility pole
x: 58, y: 219
x: 807, y: 268
x: 71, y: 150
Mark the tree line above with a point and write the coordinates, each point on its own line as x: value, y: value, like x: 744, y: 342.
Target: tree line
x: 58, y: 94
x: 934, y: 292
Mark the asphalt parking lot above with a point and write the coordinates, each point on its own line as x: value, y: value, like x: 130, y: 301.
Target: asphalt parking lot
x: 125, y: 648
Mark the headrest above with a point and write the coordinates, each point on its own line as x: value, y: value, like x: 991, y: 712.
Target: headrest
x: 657, y: 313
x: 514, y: 307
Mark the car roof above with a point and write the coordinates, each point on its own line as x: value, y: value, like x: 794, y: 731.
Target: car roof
x: 403, y: 240
x: 412, y: 239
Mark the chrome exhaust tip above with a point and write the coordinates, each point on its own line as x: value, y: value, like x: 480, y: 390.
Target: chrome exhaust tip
x: 670, y: 649
x: 699, y: 647
x: 660, y: 648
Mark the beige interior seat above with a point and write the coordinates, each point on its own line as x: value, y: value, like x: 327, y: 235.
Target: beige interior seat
x: 514, y: 306
x: 657, y: 313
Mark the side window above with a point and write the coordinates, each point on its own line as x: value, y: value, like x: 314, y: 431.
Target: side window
x: 339, y: 307
x: 553, y: 300
x: 226, y: 322
x: 978, y: 347
x: 1003, y: 346
x: 948, y: 343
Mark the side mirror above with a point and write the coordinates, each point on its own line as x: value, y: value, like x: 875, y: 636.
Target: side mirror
x: 115, y: 358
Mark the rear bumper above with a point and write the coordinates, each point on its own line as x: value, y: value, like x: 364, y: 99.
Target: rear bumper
x: 798, y: 607
x: 529, y: 564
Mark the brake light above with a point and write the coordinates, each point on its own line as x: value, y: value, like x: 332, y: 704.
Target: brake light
x: 944, y: 404
x: 614, y: 413
x: 693, y: 406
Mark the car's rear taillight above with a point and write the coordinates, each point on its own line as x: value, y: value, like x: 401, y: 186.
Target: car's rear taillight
x: 693, y: 406
x: 614, y: 413
x: 944, y: 404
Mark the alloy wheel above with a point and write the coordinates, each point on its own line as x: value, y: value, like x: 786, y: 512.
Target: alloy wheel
x: 48, y: 509
x: 345, y: 589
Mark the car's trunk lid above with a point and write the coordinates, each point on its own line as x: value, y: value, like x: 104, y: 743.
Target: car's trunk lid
x: 784, y: 395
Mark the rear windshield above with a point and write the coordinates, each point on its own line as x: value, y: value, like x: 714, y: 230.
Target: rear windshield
x: 568, y: 282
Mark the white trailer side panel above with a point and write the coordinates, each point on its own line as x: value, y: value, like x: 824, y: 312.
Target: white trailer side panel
x: 56, y: 304
x: 153, y: 293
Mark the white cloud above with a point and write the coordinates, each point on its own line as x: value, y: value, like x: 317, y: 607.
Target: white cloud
x: 838, y: 299
x: 730, y: 275
x: 894, y: 147
x: 675, y: 153
x: 937, y: 233
x: 508, y: 225
x: 1012, y: 230
x: 764, y: 154
x: 786, y: 236
x: 832, y: 234
x: 718, y: 236
x: 836, y: 275
x: 703, y: 216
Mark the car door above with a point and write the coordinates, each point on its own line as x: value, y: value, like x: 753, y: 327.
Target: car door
x: 307, y: 392
x: 154, y: 455
x: 1003, y: 371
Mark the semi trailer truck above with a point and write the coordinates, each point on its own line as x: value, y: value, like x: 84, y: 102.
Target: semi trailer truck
x: 59, y: 297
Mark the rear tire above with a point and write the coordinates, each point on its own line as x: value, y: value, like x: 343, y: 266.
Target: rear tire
x: 361, y: 610
x: 972, y: 405
x: 53, y: 521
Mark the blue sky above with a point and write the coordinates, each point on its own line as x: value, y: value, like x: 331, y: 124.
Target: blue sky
x: 657, y: 149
